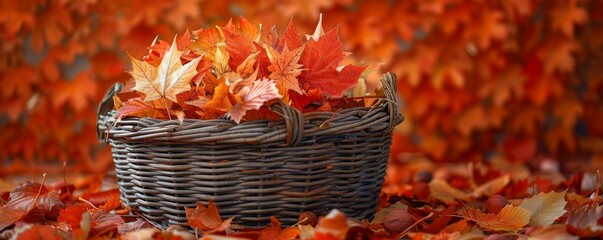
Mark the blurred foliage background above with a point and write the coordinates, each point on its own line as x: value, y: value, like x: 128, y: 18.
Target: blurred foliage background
x: 518, y: 79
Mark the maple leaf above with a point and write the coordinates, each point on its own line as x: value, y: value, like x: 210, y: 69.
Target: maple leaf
x: 166, y: 81
x: 545, y: 207
x: 274, y: 231
x: 25, y: 198
x: 509, y: 219
x: 207, y: 218
x: 489, y: 27
x: 72, y: 215
x: 566, y: 14
x: 238, y: 47
x: 321, y: 59
x: 207, y: 41
x: 291, y: 38
x: 221, y: 62
x: 556, y: 54
x: 285, y: 67
x: 220, y: 100
x: 136, y: 107
x: 441, y: 190
x: 252, y: 99
x: 584, y: 221
x: 318, y: 32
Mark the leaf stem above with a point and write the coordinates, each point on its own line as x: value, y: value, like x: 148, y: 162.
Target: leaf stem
x: 38, y: 195
x: 407, y: 230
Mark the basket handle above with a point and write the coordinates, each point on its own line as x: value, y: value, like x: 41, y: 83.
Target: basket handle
x: 104, y: 107
x: 293, y: 121
x: 389, y: 89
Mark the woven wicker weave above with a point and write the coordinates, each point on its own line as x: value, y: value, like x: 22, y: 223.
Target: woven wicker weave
x: 256, y: 169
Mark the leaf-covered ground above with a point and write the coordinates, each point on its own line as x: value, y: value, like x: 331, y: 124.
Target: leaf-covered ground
x: 428, y: 201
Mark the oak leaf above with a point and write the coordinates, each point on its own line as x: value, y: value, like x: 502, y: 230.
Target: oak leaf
x: 285, y: 67
x: 168, y: 79
x: 509, y: 219
x: 253, y: 98
x: 545, y: 207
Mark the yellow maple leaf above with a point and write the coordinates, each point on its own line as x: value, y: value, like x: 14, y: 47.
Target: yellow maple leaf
x: 167, y: 80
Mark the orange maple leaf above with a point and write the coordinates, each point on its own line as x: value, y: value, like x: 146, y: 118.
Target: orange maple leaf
x: 566, y: 14
x: 285, y: 67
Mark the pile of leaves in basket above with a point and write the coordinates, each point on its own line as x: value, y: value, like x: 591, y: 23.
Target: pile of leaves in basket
x: 234, y: 70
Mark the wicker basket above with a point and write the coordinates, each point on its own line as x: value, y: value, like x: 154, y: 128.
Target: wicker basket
x: 256, y: 169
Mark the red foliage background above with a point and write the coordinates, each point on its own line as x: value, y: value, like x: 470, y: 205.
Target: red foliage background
x: 518, y: 78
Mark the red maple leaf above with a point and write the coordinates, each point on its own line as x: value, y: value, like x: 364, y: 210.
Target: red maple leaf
x: 321, y: 59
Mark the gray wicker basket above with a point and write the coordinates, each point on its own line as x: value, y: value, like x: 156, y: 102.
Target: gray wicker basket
x: 256, y: 169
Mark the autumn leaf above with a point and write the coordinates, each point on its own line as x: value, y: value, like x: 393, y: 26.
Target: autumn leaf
x: 556, y: 55
x: 207, y: 41
x: 25, y: 198
x: 40, y: 232
x: 166, y: 81
x: 72, y: 215
x: 545, y: 207
x: 253, y: 98
x: 509, y: 219
x: 285, y: 68
x: 238, y: 47
x: 291, y: 38
x: 275, y: 232
x: 332, y: 226
x: 221, y: 62
x: 318, y: 32
x: 492, y: 187
x: 382, y: 213
x: 441, y: 190
x: 566, y: 14
x: 135, y: 107
x: 584, y: 221
x: 320, y: 59
x: 207, y: 218
x: 557, y: 231
x: 220, y: 100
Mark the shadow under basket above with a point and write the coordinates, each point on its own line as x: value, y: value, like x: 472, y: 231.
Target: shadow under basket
x: 256, y: 169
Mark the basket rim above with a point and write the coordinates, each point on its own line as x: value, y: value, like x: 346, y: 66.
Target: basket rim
x: 292, y: 123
